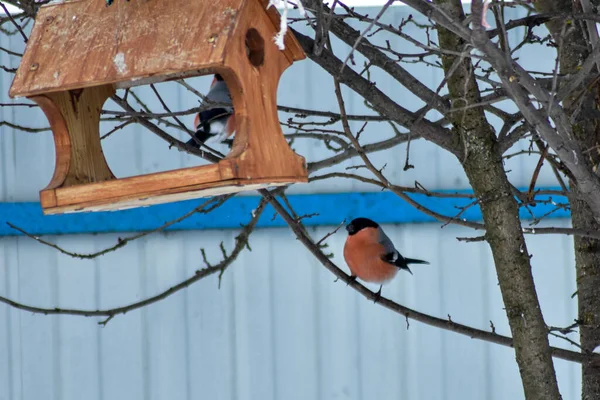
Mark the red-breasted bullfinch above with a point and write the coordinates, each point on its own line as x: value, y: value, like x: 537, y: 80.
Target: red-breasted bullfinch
x: 371, y: 255
x: 215, y: 123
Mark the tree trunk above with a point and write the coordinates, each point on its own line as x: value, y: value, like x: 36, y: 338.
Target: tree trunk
x: 587, y: 258
x: 582, y: 107
x: 483, y: 165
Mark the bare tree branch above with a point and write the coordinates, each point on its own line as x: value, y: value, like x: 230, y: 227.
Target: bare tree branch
x: 406, y: 312
x: 382, y: 103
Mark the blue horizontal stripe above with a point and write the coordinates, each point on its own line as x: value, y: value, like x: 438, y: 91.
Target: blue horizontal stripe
x: 331, y: 209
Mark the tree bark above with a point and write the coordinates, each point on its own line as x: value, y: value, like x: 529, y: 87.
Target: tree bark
x: 482, y: 162
x: 582, y: 106
x: 587, y: 259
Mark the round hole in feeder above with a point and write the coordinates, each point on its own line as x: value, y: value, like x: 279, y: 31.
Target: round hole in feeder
x: 255, y: 47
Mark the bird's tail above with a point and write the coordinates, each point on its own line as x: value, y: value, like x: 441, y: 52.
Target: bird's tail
x: 201, y: 136
x: 415, y: 261
x: 403, y: 262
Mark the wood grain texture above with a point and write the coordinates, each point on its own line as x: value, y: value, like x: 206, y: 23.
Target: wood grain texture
x: 74, y: 118
x: 168, y: 195
x: 81, y: 110
x: 84, y: 43
x: 62, y: 141
x: 144, y: 185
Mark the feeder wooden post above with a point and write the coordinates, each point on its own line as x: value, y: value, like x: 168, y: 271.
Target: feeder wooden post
x: 74, y: 118
x: 80, y: 51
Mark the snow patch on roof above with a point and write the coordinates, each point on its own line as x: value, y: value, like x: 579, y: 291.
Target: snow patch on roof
x: 120, y: 65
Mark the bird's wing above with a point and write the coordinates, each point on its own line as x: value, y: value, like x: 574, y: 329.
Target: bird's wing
x: 391, y: 257
x: 219, y: 93
x: 385, y: 241
x: 391, y: 254
x: 207, y: 116
x: 395, y: 258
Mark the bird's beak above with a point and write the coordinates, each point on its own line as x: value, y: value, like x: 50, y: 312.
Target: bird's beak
x: 349, y: 228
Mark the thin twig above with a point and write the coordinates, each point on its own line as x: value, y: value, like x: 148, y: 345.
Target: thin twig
x: 116, y: 128
x: 333, y: 232
x: 536, y: 173
x: 362, y: 35
x: 202, y: 209
x: 13, y: 21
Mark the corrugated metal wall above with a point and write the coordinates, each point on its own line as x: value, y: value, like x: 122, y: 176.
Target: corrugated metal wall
x: 279, y: 327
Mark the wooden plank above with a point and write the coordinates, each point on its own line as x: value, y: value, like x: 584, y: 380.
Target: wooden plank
x: 147, y: 199
x: 81, y: 109
x: 84, y: 43
x: 143, y: 185
x: 74, y: 118
x: 48, y: 198
x: 62, y: 141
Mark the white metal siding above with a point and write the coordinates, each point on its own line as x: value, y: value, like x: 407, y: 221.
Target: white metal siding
x: 279, y: 327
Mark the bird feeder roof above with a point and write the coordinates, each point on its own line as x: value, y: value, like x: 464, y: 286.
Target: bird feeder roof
x: 82, y: 43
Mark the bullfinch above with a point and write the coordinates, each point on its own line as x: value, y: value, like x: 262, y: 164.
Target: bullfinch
x: 216, y: 123
x: 371, y: 255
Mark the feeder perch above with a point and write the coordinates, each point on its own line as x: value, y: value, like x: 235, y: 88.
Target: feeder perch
x: 81, y: 51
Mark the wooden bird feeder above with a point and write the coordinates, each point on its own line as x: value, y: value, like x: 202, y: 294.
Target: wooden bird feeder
x: 80, y: 51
